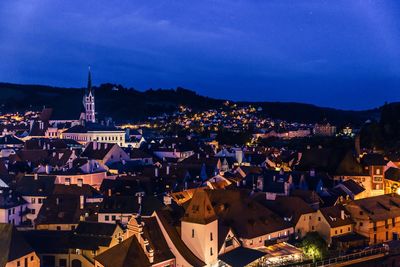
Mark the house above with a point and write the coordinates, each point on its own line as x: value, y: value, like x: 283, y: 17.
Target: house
x: 376, y: 165
x: 13, y: 207
x: 34, y: 189
x: 213, y: 226
x: 53, y: 248
x: 173, y: 153
x: 333, y: 221
x: 118, y: 208
x: 352, y: 189
x: 63, y: 212
x: 128, y: 253
x: 377, y: 218
x: 140, y: 155
x: 145, y: 246
x: 392, y: 180
x: 92, y: 175
x: 254, y: 228
x: 293, y: 210
x: 274, y: 184
x: 367, y: 171
x: 105, y: 153
x: 95, y: 132
x: 324, y: 129
x: 15, y: 251
x: 90, y: 239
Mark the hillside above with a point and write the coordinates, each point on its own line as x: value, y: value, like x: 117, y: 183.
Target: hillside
x: 128, y: 104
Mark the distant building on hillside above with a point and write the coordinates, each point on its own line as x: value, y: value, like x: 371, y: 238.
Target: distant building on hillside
x: 324, y: 129
x: 84, y: 129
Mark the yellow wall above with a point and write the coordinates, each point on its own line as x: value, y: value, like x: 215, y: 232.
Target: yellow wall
x: 32, y: 259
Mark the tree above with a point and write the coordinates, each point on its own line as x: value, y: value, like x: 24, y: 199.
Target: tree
x: 314, y: 246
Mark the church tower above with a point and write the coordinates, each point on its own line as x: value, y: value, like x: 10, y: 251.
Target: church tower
x: 88, y: 101
x: 199, y: 228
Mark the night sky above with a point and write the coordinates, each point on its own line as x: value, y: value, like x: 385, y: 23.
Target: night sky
x: 343, y: 54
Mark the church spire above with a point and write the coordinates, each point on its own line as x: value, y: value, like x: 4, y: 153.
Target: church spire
x: 88, y: 101
x: 89, y: 86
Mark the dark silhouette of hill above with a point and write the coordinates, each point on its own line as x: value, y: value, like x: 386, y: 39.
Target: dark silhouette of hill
x: 124, y: 104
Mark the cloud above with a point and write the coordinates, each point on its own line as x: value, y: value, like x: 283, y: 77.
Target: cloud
x: 269, y: 49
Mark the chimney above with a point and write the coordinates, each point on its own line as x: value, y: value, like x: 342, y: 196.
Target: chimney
x: 342, y: 215
x: 167, y: 200
x: 151, y: 255
x: 81, y: 202
x: 167, y: 170
x: 48, y: 167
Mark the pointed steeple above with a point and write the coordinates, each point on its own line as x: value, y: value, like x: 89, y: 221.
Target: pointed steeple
x: 89, y: 85
x: 200, y: 210
x: 88, y: 101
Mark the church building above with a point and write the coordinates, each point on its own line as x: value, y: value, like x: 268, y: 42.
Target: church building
x: 88, y: 102
x: 87, y: 129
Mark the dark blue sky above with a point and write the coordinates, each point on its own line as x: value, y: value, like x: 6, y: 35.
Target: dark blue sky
x: 343, y: 54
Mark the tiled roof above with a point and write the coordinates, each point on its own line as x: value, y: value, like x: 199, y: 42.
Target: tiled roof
x: 95, y: 150
x: 200, y: 209
x: 379, y: 208
x: 126, y: 254
x: 187, y: 254
x: 333, y: 216
x: 12, y: 244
